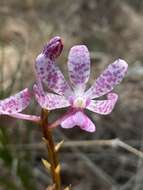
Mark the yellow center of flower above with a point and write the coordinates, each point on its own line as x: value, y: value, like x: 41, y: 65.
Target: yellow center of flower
x: 79, y: 103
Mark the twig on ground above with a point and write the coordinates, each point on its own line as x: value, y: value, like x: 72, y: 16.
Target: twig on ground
x: 114, y: 143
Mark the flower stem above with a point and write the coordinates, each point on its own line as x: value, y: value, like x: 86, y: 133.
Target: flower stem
x: 52, y: 153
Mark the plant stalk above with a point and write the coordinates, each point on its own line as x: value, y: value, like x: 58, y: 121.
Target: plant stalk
x: 52, y: 154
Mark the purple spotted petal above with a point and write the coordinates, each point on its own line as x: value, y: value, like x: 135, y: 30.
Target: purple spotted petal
x: 53, y: 48
x: 16, y: 103
x: 49, y: 73
x: 103, y: 107
x: 50, y: 101
x: 78, y: 119
x: 79, y: 66
x: 112, y: 76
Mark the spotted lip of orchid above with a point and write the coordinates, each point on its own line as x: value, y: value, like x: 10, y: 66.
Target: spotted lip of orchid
x: 74, y: 96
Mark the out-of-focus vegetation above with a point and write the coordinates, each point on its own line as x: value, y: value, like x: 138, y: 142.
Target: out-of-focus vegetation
x: 110, y: 29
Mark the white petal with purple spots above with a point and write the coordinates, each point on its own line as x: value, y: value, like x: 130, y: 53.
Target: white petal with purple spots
x: 79, y: 66
x: 16, y: 103
x: 50, y: 101
x: 103, y: 107
x: 51, y: 76
x: 112, y: 76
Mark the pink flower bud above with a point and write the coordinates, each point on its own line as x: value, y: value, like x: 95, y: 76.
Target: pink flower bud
x: 53, y: 48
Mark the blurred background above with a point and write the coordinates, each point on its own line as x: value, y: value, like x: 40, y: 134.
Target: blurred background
x: 110, y: 29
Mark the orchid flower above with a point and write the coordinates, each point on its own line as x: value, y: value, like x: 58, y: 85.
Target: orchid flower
x: 75, y: 96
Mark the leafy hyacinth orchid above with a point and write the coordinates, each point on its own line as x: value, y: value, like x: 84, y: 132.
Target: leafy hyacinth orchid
x: 75, y: 96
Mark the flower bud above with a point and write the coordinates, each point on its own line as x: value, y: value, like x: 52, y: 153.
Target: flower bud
x: 53, y: 48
